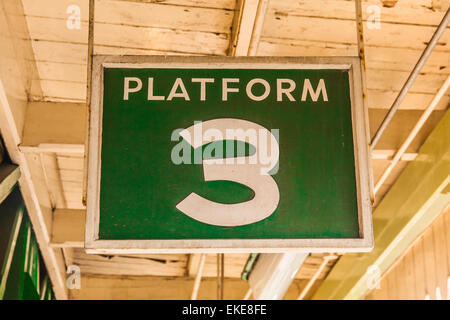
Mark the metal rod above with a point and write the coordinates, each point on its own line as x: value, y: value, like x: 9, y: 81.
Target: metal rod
x: 198, y: 277
x: 315, y: 276
x: 220, y: 275
x: 360, y: 34
x: 88, y: 93
x: 423, y: 58
x: 425, y: 115
x: 257, y: 27
x: 362, y: 57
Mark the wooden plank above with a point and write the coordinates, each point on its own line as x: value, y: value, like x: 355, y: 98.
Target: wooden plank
x: 393, y: 81
x: 70, y: 162
x: 234, y: 264
x: 398, y: 272
x: 74, y: 200
x: 53, y: 179
x: 160, y: 288
x: 138, y: 13
x: 75, y: 53
x: 72, y: 196
x: 419, y: 270
x: 415, y: 273
x: 404, y: 12
x: 247, y: 27
x: 68, y: 228
x: 440, y: 255
x: 408, y: 262
x: 66, y: 149
x: 16, y: 58
x: 72, y: 175
x: 37, y: 175
x: 219, y: 4
x: 378, y: 294
x: 287, y: 27
x: 430, y: 264
x: 62, y: 71
x: 392, y: 286
x: 396, y: 58
x: 382, y: 292
x: 68, y: 255
x: 54, y: 123
x: 164, y: 257
x: 405, y: 66
x: 129, y: 265
x: 71, y: 187
x: 447, y: 238
x: 76, y: 205
x: 389, y: 154
x: 33, y: 8
x: 379, y: 99
x: 93, y: 264
x: 74, y: 91
x: 131, y: 36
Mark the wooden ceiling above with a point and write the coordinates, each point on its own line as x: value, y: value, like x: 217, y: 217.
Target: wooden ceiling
x: 201, y: 27
x: 291, y: 28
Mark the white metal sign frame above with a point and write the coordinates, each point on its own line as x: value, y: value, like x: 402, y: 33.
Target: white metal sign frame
x: 361, y: 154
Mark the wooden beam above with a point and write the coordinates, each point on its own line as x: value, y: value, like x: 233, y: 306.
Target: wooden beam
x: 247, y: 27
x: 413, y: 202
x: 389, y: 154
x: 405, y: 12
x: 68, y: 228
x: 54, y: 123
x: 75, y: 149
x: 169, y: 265
x: 15, y: 86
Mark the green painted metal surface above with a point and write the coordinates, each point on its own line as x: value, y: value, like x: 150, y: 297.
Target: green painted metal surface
x: 46, y: 289
x: 140, y: 185
x: 15, y: 283
x: 11, y: 217
x: 20, y: 261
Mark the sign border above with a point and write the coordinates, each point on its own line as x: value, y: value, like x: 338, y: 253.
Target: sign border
x: 359, y: 113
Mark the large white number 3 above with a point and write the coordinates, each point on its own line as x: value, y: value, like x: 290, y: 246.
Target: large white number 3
x: 250, y: 174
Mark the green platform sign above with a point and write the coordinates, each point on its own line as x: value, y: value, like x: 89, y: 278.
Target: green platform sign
x: 227, y: 154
